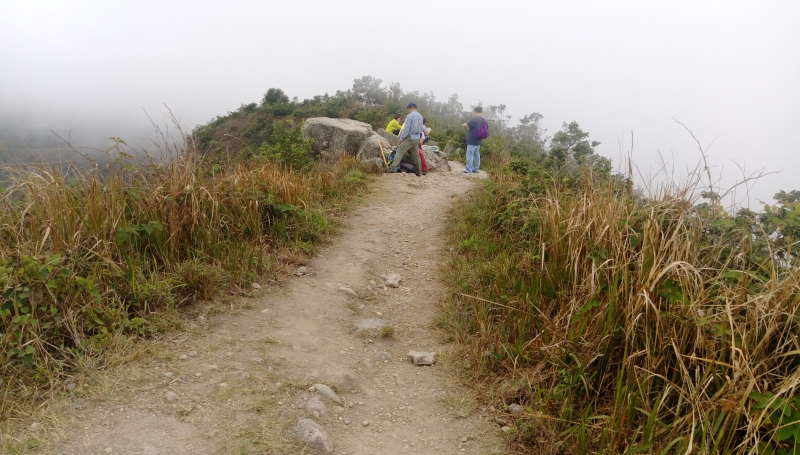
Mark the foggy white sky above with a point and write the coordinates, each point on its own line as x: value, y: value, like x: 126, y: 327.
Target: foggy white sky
x: 729, y: 70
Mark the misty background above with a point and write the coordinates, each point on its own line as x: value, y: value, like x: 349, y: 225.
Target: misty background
x: 728, y: 70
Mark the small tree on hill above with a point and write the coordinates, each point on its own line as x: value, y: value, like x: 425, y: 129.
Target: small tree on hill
x: 369, y: 88
x: 572, y: 142
x: 529, y: 128
x: 274, y: 96
x: 395, y: 91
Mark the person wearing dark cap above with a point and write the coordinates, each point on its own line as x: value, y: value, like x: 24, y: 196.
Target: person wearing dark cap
x: 409, y: 140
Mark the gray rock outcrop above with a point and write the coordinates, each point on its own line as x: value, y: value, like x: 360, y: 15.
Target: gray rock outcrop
x: 369, y: 153
x: 336, y: 135
x: 437, y: 161
x: 391, y: 138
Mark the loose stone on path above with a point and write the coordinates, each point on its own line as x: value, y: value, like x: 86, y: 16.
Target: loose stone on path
x: 348, y: 291
x: 422, y: 358
x: 317, y: 408
x: 370, y: 324
x: 313, y: 435
x: 327, y: 392
x: 392, y: 280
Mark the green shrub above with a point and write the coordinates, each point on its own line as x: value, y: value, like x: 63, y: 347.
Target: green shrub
x: 377, y: 116
x: 520, y: 166
x: 288, y: 146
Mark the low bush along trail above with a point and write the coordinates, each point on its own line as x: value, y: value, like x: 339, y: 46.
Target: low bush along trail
x: 611, y: 323
x: 90, y: 258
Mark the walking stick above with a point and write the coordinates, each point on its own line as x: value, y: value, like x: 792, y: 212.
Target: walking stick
x: 386, y: 163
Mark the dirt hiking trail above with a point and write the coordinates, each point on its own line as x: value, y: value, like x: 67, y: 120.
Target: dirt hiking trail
x: 242, y: 382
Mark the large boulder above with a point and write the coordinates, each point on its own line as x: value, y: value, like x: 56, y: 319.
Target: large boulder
x: 394, y: 140
x: 336, y: 135
x: 436, y: 161
x: 369, y: 155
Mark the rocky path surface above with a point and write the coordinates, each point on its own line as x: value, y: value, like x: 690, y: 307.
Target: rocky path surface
x: 321, y: 359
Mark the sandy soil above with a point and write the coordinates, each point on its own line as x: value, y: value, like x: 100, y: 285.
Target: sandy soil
x: 240, y: 381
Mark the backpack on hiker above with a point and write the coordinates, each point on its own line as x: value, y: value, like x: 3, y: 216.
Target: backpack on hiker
x: 483, y: 130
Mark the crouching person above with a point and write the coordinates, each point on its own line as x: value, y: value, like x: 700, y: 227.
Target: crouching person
x: 409, y: 140
x: 394, y: 126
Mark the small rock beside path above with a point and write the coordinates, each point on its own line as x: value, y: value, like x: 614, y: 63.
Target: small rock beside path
x: 313, y: 435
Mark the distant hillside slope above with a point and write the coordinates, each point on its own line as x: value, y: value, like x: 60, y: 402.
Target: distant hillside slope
x: 247, y: 130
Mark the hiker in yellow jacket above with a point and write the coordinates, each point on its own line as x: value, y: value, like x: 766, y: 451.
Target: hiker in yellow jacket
x: 394, y: 126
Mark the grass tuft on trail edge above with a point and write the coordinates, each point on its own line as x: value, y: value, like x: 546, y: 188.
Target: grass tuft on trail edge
x: 92, y: 257
x: 622, y: 323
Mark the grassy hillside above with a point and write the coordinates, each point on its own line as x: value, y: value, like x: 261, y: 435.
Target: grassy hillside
x: 95, y: 253
x: 593, y: 318
x: 627, y: 324
x: 254, y: 128
x: 95, y: 258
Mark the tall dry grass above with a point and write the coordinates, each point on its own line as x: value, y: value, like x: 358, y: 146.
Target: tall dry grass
x: 92, y: 254
x: 624, y: 324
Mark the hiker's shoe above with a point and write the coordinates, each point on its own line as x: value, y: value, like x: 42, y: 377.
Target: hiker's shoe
x: 424, y: 172
x: 417, y: 173
x: 391, y: 170
x: 466, y: 172
x: 476, y: 172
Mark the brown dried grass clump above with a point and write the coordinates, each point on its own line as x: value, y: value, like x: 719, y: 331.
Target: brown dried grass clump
x: 91, y: 255
x: 627, y: 324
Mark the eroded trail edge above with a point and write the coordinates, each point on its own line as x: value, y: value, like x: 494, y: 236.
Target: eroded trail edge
x: 242, y: 382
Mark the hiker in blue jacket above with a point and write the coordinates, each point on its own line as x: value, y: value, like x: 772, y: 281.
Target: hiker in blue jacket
x: 473, y: 142
x: 409, y: 140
